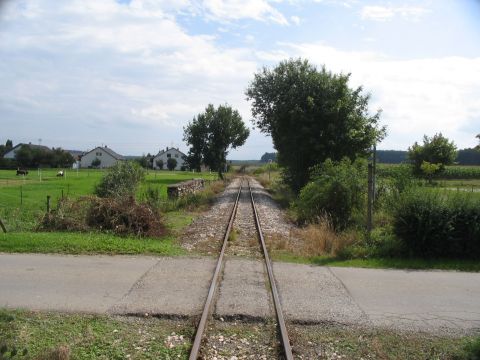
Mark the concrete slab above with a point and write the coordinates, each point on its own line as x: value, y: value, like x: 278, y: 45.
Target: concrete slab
x: 312, y: 294
x: 173, y: 287
x: 416, y: 300
x: 243, y: 292
x: 68, y: 283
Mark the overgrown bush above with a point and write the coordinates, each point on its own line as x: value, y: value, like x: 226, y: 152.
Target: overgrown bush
x: 435, y: 224
x: 122, y: 216
x: 337, y: 190
x: 121, y: 180
x: 69, y: 215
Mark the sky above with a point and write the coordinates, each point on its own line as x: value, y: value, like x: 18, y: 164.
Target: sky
x: 131, y: 74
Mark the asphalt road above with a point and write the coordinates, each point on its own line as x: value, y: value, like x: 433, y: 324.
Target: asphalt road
x: 432, y: 301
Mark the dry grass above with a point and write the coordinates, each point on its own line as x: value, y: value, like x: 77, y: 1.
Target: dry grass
x: 313, y: 240
x: 60, y: 353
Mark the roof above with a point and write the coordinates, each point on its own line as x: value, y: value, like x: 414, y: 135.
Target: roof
x: 75, y: 153
x: 108, y: 151
x: 33, y: 146
x: 161, y: 152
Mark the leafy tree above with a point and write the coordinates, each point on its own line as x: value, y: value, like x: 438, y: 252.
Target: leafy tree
x: 311, y: 115
x: 478, y: 146
x: 29, y: 156
x: 96, y: 162
x: 268, y: 157
x: 121, y: 180
x: 211, y: 134
x: 337, y: 191
x: 435, y: 150
x: 145, y: 161
x: 429, y: 170
x: 171, y: 164
x: 159, y: 163
x: 6, y: 148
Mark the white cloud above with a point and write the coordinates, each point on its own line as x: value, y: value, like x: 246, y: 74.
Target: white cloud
x: 111, y: 71
x: 420, y: 96
x: 385, y: 13
x: 226, y: 10
x: 295, y: 19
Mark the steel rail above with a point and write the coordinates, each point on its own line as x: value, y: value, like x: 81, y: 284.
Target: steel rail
x: 276, y: 299
x: 194, y: 352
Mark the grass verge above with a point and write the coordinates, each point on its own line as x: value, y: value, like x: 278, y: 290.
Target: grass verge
x: 86, y: 243
x: 381, y: 263
x: 68, y: 336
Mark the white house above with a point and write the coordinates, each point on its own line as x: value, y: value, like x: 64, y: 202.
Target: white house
x: 164, y: 155
x: 107, y: 157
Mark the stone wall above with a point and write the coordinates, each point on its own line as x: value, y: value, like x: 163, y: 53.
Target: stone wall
x: 184, y: 188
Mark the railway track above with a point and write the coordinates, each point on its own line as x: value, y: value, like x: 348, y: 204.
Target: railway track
x: 286, y: 351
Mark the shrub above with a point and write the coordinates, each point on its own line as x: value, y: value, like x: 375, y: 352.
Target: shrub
x: 338, y: 190
x: 433, y: 224
x: 122, y: 216
x: 121, y: 180
x: 171, y: 164
x: 68, y: 216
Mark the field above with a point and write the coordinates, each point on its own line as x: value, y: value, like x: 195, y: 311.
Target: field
x: 23, y: 199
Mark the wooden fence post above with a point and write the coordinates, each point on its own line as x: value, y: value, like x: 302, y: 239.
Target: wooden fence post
x: 3, y: 226
x: 370, y: 198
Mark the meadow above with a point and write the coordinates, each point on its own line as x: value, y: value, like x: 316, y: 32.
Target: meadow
x: 26, y: 196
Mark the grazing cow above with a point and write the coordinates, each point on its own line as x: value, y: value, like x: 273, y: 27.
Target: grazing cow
x: 22, y: 172
x: 60, y: 173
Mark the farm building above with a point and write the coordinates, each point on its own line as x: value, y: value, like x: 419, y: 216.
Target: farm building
x: 102, y: 157
x: 163, y: 155
x: 11, y: 154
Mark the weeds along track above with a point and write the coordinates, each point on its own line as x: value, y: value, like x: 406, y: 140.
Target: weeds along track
x: 243, y: 237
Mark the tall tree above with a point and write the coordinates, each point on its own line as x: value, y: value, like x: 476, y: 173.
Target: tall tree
x: 211, y: 134
x: 435, y: 150
x: 6, y: 148
x: 311, y: 115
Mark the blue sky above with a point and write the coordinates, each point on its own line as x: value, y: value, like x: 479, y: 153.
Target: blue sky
x: 131, y: 74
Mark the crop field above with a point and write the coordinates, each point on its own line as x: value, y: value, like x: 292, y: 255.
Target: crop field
x: 23, y: 199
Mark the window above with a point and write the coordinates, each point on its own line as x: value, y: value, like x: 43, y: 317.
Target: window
x: 176, y: 155
x: 98, y: 154
x: 169, y: 155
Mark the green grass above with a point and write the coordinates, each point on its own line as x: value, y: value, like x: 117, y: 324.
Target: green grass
x: 23, y: 200
x: 86, y: 243
x: 91, y: 337
x: 382, y: 263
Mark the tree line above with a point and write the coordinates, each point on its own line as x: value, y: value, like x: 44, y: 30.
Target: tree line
x: 33, y: 157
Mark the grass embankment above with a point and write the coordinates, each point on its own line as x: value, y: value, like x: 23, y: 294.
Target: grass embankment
x: 381, y: 263
x: 23, y: 203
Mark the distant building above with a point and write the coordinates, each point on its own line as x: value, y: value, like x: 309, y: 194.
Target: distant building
x: 164, y: 155
x: 77, y: 155
x: 13, y: 151
x: 105, y: 155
